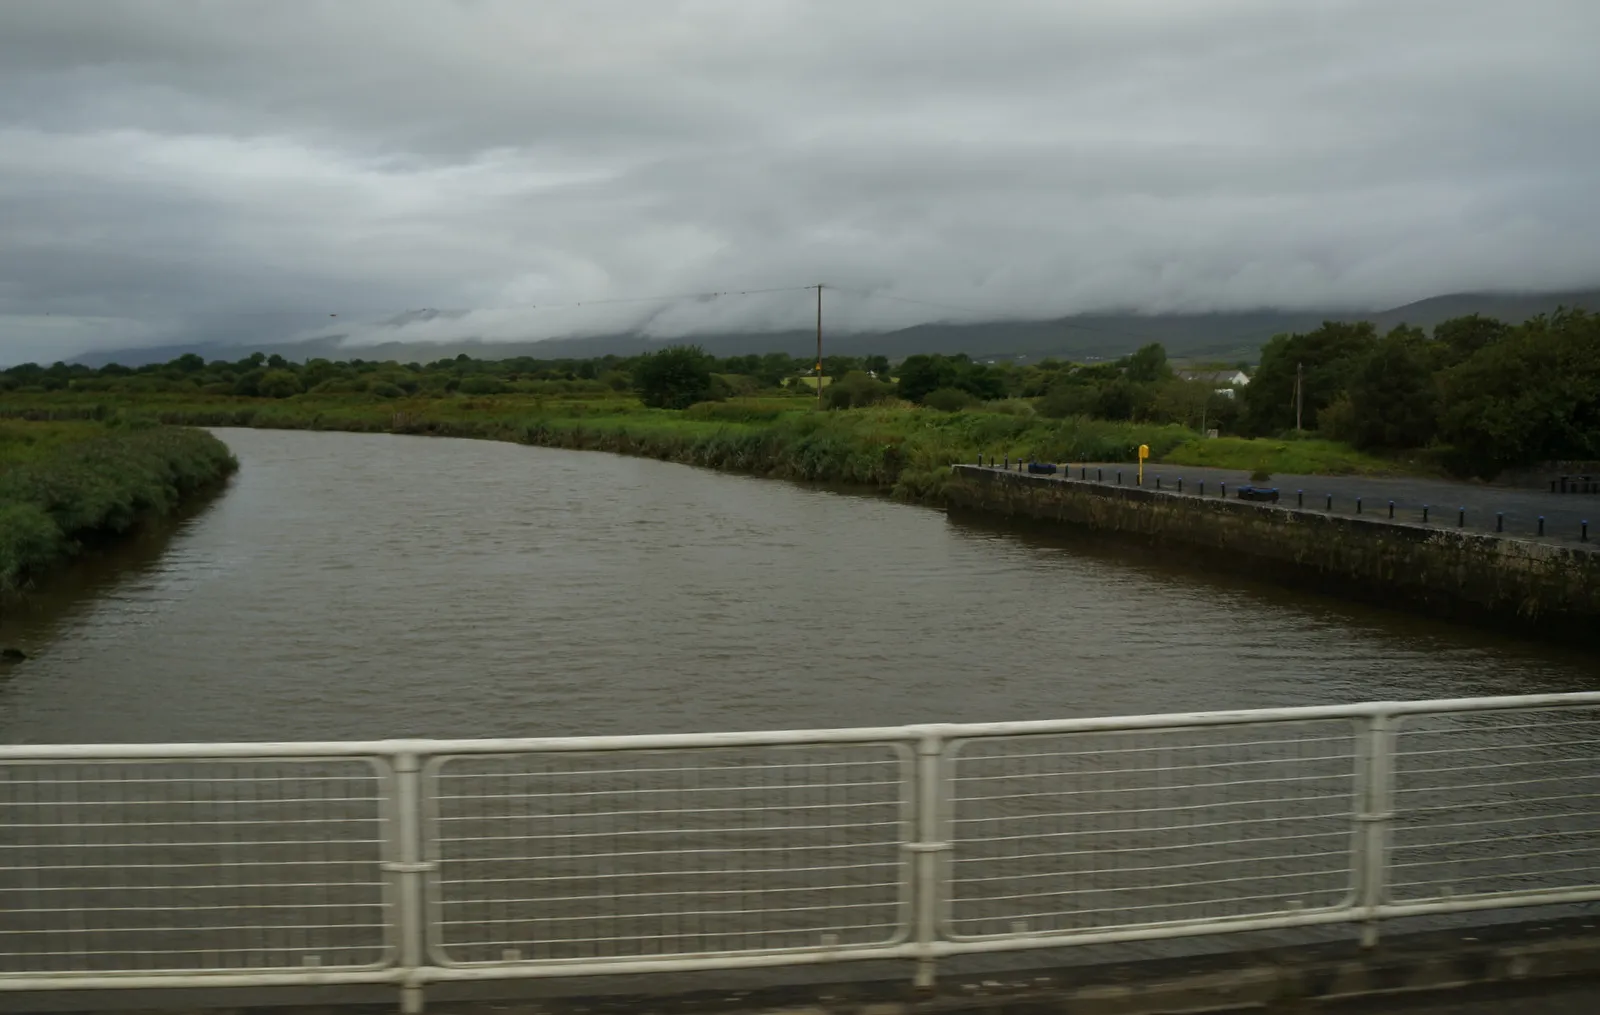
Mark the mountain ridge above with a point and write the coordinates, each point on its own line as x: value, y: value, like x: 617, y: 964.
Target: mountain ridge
x: 1229, y: 336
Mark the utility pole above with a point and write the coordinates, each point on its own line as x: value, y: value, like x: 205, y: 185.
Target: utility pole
x: 819, y: 345
x: 1299, y: 393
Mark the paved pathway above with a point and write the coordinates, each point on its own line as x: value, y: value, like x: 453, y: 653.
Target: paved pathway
x: 1522, y: 508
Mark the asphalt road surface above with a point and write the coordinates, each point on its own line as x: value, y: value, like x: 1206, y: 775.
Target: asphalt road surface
x: 1521, y: 507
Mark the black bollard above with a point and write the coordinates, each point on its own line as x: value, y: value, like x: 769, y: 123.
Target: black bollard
x: 1541, y: 525
x: 1330, y: 502
x: 1391, y: 509
x: 980, y: 461
x: 1299, y: 498
x: 1461, y: 518
x: 1180, y: 484
x: 1499, y: 521
x: 1099, y: 475
x: 1158, y: 482
x: 1202, y: 488
x: 1224, y: 492
x: 1424, y: 514
x: 1084, y: 474
x: 1358, y: 505
x: 1583, y: 530
x: 1008, y: 461
x: 1119, y: 477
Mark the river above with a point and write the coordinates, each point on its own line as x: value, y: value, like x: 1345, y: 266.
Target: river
x: 371, y: 586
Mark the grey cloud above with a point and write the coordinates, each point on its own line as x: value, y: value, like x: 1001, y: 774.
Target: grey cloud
x: 166, y: 164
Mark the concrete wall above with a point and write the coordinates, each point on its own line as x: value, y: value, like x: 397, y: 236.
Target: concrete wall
x: 1539, y: 586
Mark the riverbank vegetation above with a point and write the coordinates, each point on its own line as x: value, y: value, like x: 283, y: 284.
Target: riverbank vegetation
x: 64, y: 484
x: 895, y: 446
x: 1477, y: 396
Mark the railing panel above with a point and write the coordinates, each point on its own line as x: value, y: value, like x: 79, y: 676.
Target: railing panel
x: 1495, y: 803
x: 584, y: 856
x: 1092, y: 832
x: 192, y: 866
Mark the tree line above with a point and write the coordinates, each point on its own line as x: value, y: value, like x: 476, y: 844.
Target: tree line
x: 1485, y: 394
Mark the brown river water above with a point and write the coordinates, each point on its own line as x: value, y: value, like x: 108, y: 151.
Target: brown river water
x: 372, y: 586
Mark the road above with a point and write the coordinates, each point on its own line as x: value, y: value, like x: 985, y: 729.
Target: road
x: 1564, y: 514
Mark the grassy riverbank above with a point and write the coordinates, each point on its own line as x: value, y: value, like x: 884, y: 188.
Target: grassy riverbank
x: 901, y: 449
x: 65, y: 483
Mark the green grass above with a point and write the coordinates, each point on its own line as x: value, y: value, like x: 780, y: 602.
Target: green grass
x: 1296, y: 457
x: 64, y: 482
x: 22, y: 442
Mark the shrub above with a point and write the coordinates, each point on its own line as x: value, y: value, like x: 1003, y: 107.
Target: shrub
x: 1064, y: 401
x: 949, y: 400
x: 856, y: 390
x: 674, y: 378
x: 278, y: 384
x: 383, y: 389
x: 483, y: 384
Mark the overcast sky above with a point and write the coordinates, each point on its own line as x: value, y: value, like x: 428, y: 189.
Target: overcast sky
x: 171, y: 167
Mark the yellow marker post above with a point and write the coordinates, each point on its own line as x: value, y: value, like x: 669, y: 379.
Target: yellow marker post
x: 1144, y: 452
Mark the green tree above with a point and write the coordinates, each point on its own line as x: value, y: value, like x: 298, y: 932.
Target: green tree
x: 1063, y: 401
x: 674, y: 378
x: 1328, y: 357
x: 1534, y: 396
x: 278, y: 384
x: 878, y: 365
x: 949, y: 400
x: 923, y: 373
x: 1148, y: 364
x: 1461, y: 337
x: 1118, y: 399
x: 837, y: 366
x: 483, y: 384
x: 249, y: 382
x: 1393, y: 395
x: 855, y: 390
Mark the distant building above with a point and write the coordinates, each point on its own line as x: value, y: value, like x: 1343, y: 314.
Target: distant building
x: 1230, y: 378
x: 1225, y: 381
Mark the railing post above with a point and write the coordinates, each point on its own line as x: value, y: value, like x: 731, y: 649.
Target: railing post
x: 409, y: 868
x: 926, y: 850
x: 1374, y: 814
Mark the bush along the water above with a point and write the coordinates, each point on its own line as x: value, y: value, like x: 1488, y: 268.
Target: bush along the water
x: 101, y: 483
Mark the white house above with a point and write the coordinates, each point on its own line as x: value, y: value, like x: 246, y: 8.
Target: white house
x: 1226, y: 381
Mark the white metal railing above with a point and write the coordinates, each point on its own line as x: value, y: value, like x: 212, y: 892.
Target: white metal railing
x: 410, y: 862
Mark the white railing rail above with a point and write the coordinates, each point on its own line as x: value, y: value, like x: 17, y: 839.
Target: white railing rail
x: 415, y: 861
